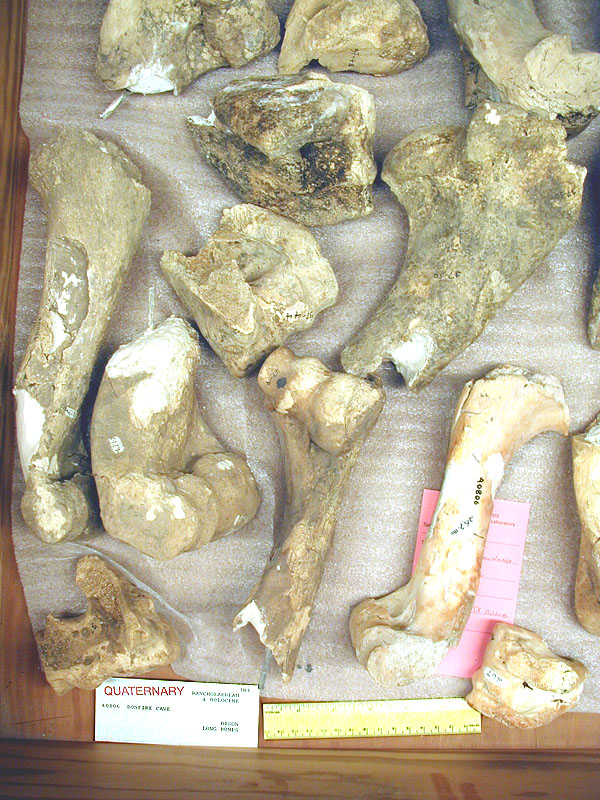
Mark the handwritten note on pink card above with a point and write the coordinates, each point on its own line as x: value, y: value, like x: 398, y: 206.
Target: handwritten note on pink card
x: 496, y: 599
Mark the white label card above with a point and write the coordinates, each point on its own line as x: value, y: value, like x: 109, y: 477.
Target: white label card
x: 177, y: 712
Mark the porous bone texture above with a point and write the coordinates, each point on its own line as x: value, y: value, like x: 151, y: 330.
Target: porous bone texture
x: 164, y: 482
x: 486, y: 204
x: 378, y: 37
x: 152, y: 46
x: 96, y: 208
x: 300, y: 145
x: 119, y: 635
x: 521, y: 682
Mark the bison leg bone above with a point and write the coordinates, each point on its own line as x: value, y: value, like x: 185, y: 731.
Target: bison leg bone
x: 586, y: 479
x: 522, y: 682
x: 323, y: 418
x: 164, y: 482
x: 120, y: 634
x: 486, y: 204
x: 406, y: 634
x: 96, y: 210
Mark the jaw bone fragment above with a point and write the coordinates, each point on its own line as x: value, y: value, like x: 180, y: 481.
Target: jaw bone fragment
x: 300, y: 145
x: 405, y: 635
x: 323, y: 418
x: 516, y: 60
x: 378, y: 37
x: 522, y: 682
x: 96, y: 210
x: 259, y: 279
x: 486, y: 204
x: 586, y: 475
x: 152, y: 46
x: 120, y: 634
x: 164, y: 482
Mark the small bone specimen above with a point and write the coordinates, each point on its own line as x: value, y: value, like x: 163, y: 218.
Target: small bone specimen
x: 151, y: 46
x: 514, y: 59
x: 120, y: 634
x: 522, y: 682
x: 164, y: 481
x: 378, y: 37
x: 486, y: 204
x: 323, y: 418
x: 299, y: 145
x: 593, y: 326
x: 586, y: 478
x: 96, y: 210
x: 259, y: 279
x: 405, y: 635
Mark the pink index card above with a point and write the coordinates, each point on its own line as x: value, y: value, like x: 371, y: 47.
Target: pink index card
x: 496, y: 599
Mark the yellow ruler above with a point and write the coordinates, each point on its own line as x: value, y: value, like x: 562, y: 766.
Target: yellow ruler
x: 356, y: 718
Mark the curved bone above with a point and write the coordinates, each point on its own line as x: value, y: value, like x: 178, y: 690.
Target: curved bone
x: 522, y: 682
x: 323, y: 418
x: 406, y: 634
x: 586, y: 478
x: 516, y: 60
x: 378, y: 37
x: 152, y: 46
x: 120, y: 634
x: 486, y: 205
x: 299, y: 145
x: 96, y: 210
x: 259, y: 279
x: 164, y: 482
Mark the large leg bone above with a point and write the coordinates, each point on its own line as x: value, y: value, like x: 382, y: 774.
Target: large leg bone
x: 486, y: 204
x: 516, y: 60
x: 323, y: 418
x: 164, y: 482
x: 96, y: 209
x: 406, y: 634
x: 119, y: 635
x: 586, y: 478
x: 522, y: 682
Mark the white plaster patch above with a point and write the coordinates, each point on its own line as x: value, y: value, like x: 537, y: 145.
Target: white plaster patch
x: 151, y: 78
x: 494, y: 467
x: 59, y: 334
x: 251, y: 614
x: 30, y: 425
x: 410, y: 357
x: 493, y: 117
x: 224, y: 464
x: 177, y: 504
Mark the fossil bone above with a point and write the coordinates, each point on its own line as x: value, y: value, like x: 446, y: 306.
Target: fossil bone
x: 486, y: 204
x: 522, y: 682
x: 378, y: 37
x: 259, y: 279
x: 152, y: 46
x: 164, y: 482
x: 120, y: 634
x: 516, y: 60
x: 96, y: 210
x: 405, y: 635
x: 323, y: 418
x: 299, y: 145
x: 586, y: 479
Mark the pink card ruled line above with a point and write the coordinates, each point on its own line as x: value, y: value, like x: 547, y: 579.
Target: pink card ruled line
x: 496, y: 599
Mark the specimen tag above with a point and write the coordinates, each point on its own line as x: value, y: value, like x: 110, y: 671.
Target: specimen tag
x: 177, y: 712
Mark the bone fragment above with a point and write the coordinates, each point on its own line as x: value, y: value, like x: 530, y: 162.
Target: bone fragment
x: 511, y: 57
x: 522, y: 682
x: 164, y: 482
x: 152, y: 46
x: 120, y: 634
x: 586, y: 479
x: 96, y: 210
x: 259, y: 279
x: 405, y: 635
x: 378, y: 37
x: 323, y: 418
x: 299, y: 145
x: 486, y: 205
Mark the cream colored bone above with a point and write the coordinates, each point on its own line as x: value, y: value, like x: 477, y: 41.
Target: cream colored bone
x: 405, y: 634
x: 323, y: 418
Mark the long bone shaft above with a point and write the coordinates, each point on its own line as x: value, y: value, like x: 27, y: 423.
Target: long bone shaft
x: 405, y: 634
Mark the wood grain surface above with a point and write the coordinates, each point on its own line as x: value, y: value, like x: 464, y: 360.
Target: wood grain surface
x: 446, y: 768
